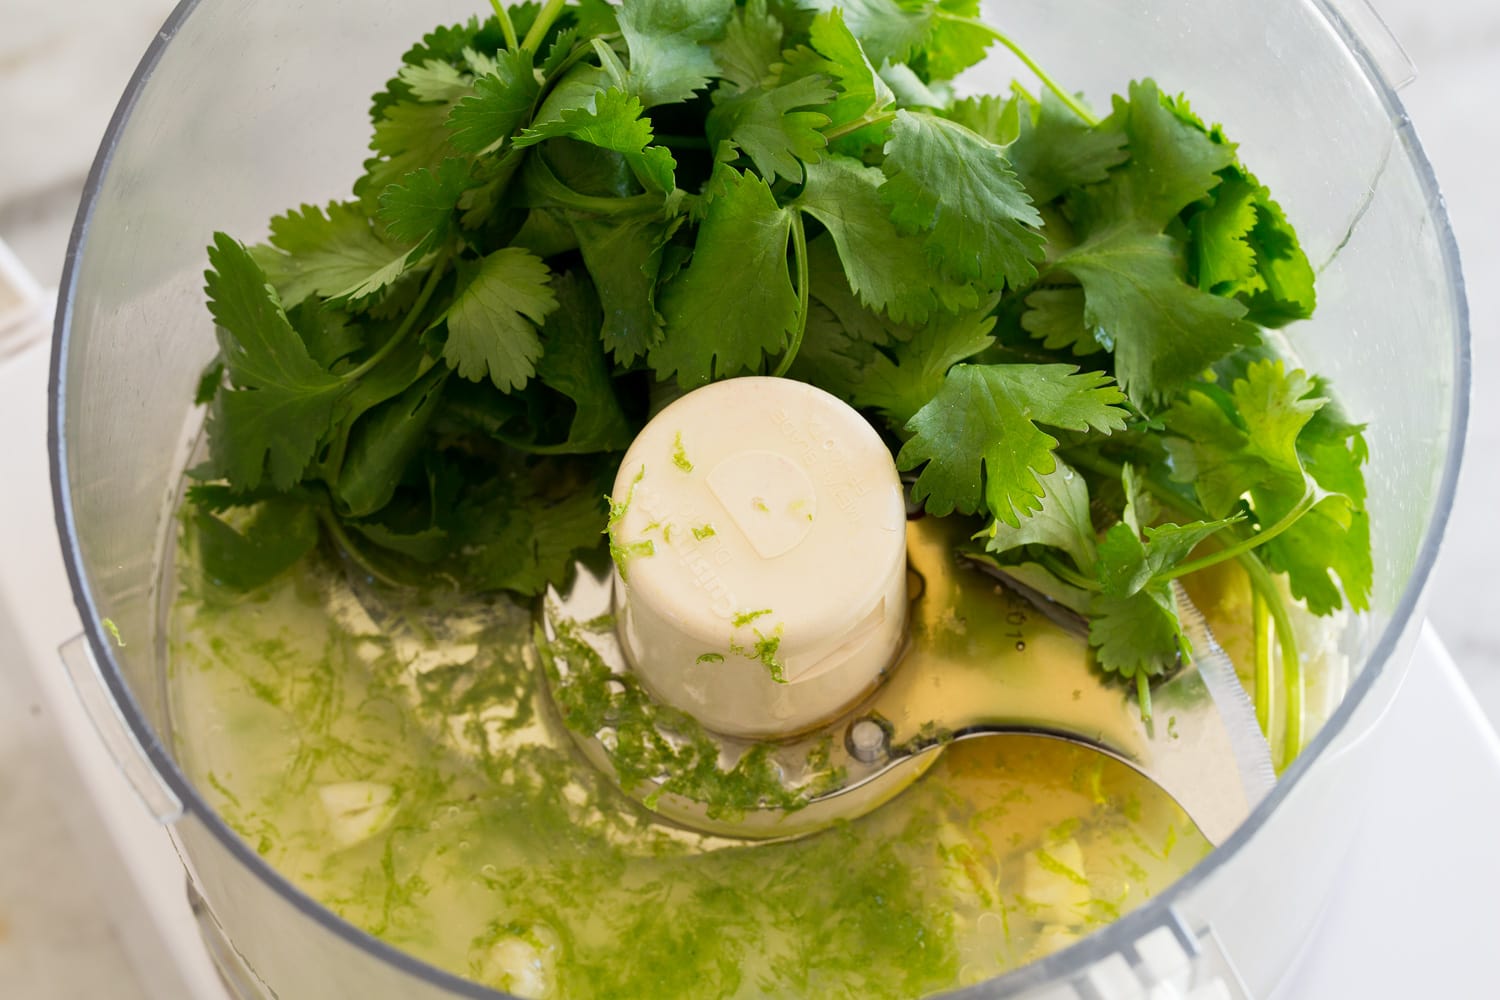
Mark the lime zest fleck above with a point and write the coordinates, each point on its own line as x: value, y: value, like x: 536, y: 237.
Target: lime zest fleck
x: 679, y: 454
x: 623, y: 552
x: 704, y: 531
x: 759, y: 504
x: 113, y: 630
x: 711, y: 658
x: 765, y: 649
x: 746, y: 617
x: 1057, y: 867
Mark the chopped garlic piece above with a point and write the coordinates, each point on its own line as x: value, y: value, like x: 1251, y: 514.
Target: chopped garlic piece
x: 357, y: 810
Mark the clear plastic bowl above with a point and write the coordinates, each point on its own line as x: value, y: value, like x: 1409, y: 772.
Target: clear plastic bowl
x: 239, y: 110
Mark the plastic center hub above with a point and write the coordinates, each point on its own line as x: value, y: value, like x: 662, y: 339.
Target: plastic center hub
x: 759, y: 533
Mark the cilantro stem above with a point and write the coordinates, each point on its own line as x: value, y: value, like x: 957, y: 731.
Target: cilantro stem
x: 506, y: 27
x: 542, y: 24
x: 1143, y: 694
x: 346, y: 545
x: 1291, y: 657
x: 859, y: 123
x: 1239, y: 548
x: 1263, y: 638
x: 1263, y: 584
x: 1066, y: 574
x: 1072, y: 102
x: 799, y: 250
x: 439, y: 268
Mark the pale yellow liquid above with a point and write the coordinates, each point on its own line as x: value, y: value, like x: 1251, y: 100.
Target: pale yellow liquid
x: 493, y: 850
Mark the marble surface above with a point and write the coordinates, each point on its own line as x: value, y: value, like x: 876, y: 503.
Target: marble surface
x: 62, y: 68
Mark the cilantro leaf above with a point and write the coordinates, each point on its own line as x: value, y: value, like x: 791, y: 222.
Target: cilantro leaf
x: 888, y: 271
x: 260, y: 544
x: 887, y: 29
x: 501, y: 101
x: 492, y: 320
x: 777, y: 138
x: 612, y: 122
x: 996, y: 119
x: 624, y: 258
x: 1056, y: 151
x: 861, y: 90
x: 949, y: 182
x: 409, y: 135
x: 1249, y: 442
x: 1062, y: 520
x: 517, y: 538
x: 1057, y: 317
x: 741, y: 257
x: 383, y: 443
x: 574, y: 364
x: 269, y: 424
x: 1332, y: 538
x: 1222, y: 258
x: 1284, y: 290
x: 1126, y: 564
x: 829, y: 286
x: 980, y: 441
x: 1172, y: 164
x: 901, y: 383
x: 435, y: 81
x: 326, y: 252
x: 1139, y: 634
x: 751, y: 46
x: 1163, y: 331
x: 420, y: 209
x: 668, y: 60
x: 1226, y: 452
x: 956, y: 41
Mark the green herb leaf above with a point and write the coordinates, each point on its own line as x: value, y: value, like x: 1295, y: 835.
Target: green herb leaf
x: 778, y: 139
x: 1056, y: 151
x: 887, y: 270
x: 902, y: 382
x: 946, y: 181
x: 1058, y: 317
x: 1139, y: 634
x: 492, y: 321
x: 574, y: 364
x: 420, y: 209
x: 325, y: 252
x: 624, y: 258
x: 1229, y: 447
x: 1163, y: 331
x: 383, y: 443
x: 1061, y: 522
x: 612, y: 122
x: 751, y: 46
x: 281, y: 401
x: 263, y: 541
x: 501, y: 101
x: 741, y: 257
x: 668, y: 60
x: 980, y: 441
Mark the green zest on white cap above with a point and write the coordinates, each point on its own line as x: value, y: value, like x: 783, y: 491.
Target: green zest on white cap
x: 759, y: 530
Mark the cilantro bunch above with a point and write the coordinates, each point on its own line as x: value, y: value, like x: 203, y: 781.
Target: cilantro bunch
x: 574, y: 212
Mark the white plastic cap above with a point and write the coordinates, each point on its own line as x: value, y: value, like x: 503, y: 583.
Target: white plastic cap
x: 759, y: 530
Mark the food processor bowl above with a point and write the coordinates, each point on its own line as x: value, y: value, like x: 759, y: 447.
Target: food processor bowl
x: 240, y: 110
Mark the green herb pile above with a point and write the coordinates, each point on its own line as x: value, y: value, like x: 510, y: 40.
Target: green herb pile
x: 574, y: 212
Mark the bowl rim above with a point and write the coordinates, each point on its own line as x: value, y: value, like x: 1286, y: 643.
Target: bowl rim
x: 1060, y: 966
